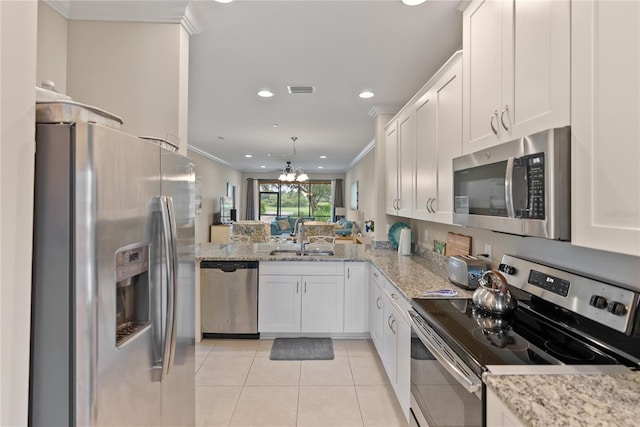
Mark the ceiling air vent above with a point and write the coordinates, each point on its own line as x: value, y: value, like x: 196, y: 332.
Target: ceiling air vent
x: 301, y: 89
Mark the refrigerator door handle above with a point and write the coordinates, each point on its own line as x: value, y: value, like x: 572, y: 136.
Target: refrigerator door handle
x: 168, y: 227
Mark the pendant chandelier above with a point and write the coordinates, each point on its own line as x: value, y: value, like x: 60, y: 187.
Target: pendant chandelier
x: 290, y: 173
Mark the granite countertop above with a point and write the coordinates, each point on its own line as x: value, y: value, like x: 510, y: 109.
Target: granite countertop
x: 413, y: 275
x: 570, y: 400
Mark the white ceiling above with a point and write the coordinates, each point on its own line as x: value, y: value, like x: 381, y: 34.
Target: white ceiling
x: 340, y: 47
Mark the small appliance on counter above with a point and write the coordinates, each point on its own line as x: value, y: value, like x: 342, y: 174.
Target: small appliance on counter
x: 465, y: 271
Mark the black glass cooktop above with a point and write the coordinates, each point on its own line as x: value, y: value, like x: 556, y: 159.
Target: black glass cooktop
x: 521, y: 338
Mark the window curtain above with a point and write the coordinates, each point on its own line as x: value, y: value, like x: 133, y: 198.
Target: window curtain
x: 338, y: 196
x: 250, y: 212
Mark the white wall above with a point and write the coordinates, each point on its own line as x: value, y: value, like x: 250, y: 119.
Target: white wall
x: 382, y: 220
x: 135, y: 70
x: 365, y: 173
x: 52, y: 47
x: 211, y: 182
x: 18, y: 28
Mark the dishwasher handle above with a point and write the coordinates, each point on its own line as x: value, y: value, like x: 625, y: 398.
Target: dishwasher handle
x: 229, y: 266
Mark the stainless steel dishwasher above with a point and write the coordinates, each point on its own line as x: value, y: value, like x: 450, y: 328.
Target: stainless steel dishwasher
x: 229, y: 299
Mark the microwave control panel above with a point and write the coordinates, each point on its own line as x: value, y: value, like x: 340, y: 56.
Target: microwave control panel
x: 536, y: 185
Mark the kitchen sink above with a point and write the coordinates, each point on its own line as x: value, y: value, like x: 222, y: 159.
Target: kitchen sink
x: 285, y: 252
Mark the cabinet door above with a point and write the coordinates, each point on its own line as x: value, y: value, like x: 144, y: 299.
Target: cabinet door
x: 403, y: 372
x: 605, y: 130
x: 322, y: 303
x: 356, y: 297
x: 448, y: 123
x: 391, y: 163
x: 376, y: 312
x: 426, y: 160
x: 482, y: 62
x: 406, y: 157
x: 390, y: 342
x: 536, y: 75
x: 279, y: 303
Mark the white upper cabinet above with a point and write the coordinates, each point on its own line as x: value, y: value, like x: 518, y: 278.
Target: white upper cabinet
x: 400, y: 155
x: 391, y: 163
x: 438, y: 140
x: 516, y: 69
x: 605, y: 120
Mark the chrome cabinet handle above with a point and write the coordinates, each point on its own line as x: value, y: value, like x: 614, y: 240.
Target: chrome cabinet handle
x: 297, y: 287
x: 390, y: 322
x: 305, y: 287
x: 348, y: 273
x: 375, y: 275
x: 427, y: 204
x: 493, y: 128
x: 432, y: 210
x: 378, y: 304
x: 394, y: 296
x: 505, y: 110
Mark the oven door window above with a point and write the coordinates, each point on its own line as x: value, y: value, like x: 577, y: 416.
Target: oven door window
x: 441, y: 400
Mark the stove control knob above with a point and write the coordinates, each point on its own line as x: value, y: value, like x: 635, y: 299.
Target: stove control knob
x: 505, y: 268
x: 617, y: 308
x: 598, y: 301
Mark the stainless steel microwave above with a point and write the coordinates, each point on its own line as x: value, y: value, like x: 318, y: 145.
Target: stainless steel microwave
x: 519, y: 187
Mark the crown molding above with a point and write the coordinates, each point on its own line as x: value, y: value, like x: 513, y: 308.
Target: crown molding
x: 208, y: 156
x: 60, y: 6
x: 383, y: 109
x: 153, y: 11
x: 362, y: 153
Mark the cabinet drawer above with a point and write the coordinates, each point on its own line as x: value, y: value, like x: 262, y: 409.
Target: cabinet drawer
x: 400, y: 302
x: 312, y: 268
x: 376, y: 276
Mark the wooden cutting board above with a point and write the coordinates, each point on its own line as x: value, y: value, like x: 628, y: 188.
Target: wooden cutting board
x: 457, y: 244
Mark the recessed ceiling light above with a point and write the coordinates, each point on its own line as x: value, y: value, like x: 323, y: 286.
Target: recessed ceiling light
x: 223, y: 1
x: 265, y: 93
x: 320, y: 167
x: 275, y: 125
x: 248, y: 156
x: 413, y: 2
x: 366, y: 94
x: 262, y: 166
x: 323, y: 157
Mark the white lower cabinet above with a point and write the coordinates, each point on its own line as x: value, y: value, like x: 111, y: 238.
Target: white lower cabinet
x: 290, y: 302
x: 356, y: 297
x: 376, y: 310
x: 498, y: 414
x: 391, y: 334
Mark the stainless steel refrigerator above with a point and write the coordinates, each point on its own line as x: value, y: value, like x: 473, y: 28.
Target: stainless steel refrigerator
x: 112, y: 341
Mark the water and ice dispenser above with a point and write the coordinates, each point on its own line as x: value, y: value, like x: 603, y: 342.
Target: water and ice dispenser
x: 132, y: 292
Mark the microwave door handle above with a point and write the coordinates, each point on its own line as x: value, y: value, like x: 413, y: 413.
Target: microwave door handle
x: 508, y: 187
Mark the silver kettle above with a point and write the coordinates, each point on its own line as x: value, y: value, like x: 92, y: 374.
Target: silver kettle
x: 493, y: 297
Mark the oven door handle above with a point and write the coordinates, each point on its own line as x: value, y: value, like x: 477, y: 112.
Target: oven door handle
x: 472, y: 384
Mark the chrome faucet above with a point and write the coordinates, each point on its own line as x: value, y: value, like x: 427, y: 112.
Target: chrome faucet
x: 301, y: 235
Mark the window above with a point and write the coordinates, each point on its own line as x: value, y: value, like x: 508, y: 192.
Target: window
x: 311, y: 198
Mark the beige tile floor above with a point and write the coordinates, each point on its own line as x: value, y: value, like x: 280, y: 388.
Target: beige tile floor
x: 237, y: 385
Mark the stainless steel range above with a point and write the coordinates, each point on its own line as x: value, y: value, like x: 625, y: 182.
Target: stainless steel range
x: 561, y: 318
